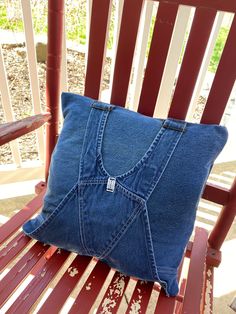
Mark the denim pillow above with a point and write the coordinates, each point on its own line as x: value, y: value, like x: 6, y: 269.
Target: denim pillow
x: 125, y: 187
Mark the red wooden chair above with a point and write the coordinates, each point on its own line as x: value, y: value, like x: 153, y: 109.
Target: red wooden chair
x: 25, y: 258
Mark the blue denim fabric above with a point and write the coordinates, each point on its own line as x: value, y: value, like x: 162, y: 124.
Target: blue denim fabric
x: 142, y: 226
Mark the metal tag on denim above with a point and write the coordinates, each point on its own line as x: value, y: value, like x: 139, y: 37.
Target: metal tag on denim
x: 111, y: 182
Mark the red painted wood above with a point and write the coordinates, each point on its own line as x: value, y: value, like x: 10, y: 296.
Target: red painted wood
x: 114, y: 293
x: 65, y: 286
x: 216, y: 194
x: 97, y: 38
x: 178, y: 308
x: 167, y: 304
x: 140, y: 297
x: 15, y: 222
x: 12, y: 249
x: 125, y: 50
x: 223, y: 82
x: 39, y: 187
x: 208, y: 296
x: 20, y: 270
x: 12, y: 130
x: 29, y: 296
x: 53, y: 71
x: 162, y: 33
x: 90, y: 290
x: 220, y: 5
x: 193, y: 293
x: 194, y: 53
x: 224, y: 221
x: 214, y: 257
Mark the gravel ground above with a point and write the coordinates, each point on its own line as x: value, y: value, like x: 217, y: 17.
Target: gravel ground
x: 19, y: 86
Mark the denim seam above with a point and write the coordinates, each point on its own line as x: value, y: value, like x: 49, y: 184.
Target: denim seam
x: 165, y: 164
x: 103, y: 120
x: 92, y: 181
x: 81, y: 164
x: 81, y: 221
x: 151, y: 262
x: 122, y: 231
x: 139, y: 164
x: 148, y: 235
x: 157, y: 175
x: 128, y: 193
x: 56, y: 211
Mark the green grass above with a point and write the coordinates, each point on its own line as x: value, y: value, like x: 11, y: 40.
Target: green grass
x: 219, y: 46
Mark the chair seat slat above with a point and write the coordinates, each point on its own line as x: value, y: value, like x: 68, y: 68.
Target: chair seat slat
x: 140, y: 297
x: 90, y: 290
x: 161, y: 38
x: 165, y: 305
x: 22, y: 216
x: 60, y: 293
x: 114, y: 293
x: 20, y: 270
x: 194, y: 284
x: 12, y: 249
x: 195, y: 50
x: 223, y: 82
x: 42, y: 278
x: 125, y: 50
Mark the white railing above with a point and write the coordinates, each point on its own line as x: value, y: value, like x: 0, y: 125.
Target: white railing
x: 182, y: 26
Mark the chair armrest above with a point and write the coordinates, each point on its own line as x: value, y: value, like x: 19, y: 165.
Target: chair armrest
x: 12, y: 130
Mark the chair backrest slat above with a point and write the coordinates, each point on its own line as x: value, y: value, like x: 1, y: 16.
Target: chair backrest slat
x: 223, y: 82
x: 125, y: 50
x: 162, y: 34
x: 195, y: 50
x: 97, y: 43
x: 220, y: 5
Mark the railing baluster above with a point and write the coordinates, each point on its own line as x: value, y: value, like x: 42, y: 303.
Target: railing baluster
x: 195, y: 50
x: 140, y: 54
x: 7, y: 108
x: 118, y: 13
x: 125, y: 51
x: 162, y: 34
x: 205, y: 65
x: 223, y: 81
x: 32, y: 66
x: 172, y: 62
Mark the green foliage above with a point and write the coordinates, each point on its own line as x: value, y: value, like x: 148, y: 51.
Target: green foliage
x: 219, y: 46
x: 10, y: 18
x: 15, y: 25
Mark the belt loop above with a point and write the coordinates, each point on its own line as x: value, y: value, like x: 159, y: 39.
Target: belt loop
x: 175, y: 125
x: 102, y: 106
